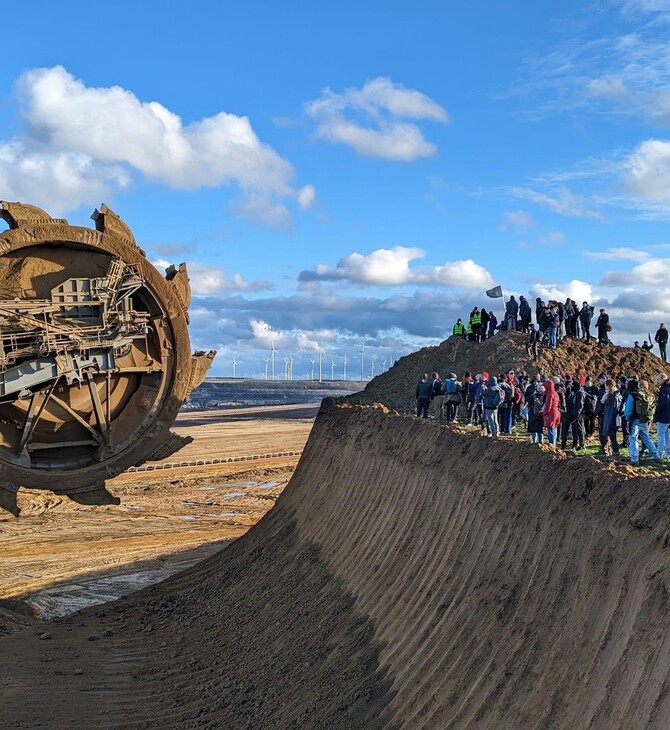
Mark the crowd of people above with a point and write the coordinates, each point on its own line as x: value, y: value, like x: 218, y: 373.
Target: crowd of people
x: 553, y: 321
x: 619, y: 412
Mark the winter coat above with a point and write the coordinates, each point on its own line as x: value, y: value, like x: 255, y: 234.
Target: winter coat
x: 661, y: 336
x: 551, y: 414
x: 586, y: 315
x: 512, y: 308
x: 612, y: 409
x: 535, y: 421
x: 424, y: 390
x: 488, y: 392
x: 662, y: 414
x: 602, y: 322
x: 553, y: 319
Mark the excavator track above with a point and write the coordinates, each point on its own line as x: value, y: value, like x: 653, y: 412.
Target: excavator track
x: 95, y: 357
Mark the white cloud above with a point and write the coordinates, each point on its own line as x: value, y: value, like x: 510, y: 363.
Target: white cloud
x: 647, y: 171
x: 553, y: 238
x: 652, y: 272
x: 306, y: 196
x: 81, y: 141
x: 561, y: 200
x: 620, y: 253
x: 207, y: 280
x: 370, y: 120
x: 518, y: 219
x: 580, y: 291
x: 391, y: 267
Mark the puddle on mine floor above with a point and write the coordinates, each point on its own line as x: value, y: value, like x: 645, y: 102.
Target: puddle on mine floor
x: 64, y: 599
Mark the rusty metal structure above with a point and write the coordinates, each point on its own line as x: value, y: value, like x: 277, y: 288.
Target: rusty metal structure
x: 95, y: 357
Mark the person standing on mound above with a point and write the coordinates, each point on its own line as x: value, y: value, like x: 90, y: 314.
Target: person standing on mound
x: 612, y: 403
x: 662, y: 416
x: 603, y: 326
x: 551, y: 415
x: 424, y: 389
x: 662, y: 338
x: 491, y: 398
x: 639, y: 411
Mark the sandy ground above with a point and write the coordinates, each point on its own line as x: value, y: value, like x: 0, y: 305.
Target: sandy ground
x: 59, y: 556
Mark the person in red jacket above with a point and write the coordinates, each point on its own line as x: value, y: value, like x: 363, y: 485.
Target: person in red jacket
x: 551, y: 413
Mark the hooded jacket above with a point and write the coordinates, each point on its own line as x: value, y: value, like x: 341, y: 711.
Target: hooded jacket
x: 550, y: 413
x: 662, y: 413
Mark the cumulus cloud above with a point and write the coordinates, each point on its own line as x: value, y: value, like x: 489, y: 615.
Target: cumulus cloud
x: 647, y: 171
x: 372, y: 120
x: 81, y: 141
x: 391, y: 267
x: 580, y: 291
x: 206, y: 280
x: 652, y: 272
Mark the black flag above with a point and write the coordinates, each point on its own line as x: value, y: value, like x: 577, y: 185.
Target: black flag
x: 494, y: 293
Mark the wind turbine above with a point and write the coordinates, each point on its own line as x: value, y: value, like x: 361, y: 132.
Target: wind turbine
x: 312, y: 361
x: 290, y: 367
x: 322, y: 352
x: 273, y: 352
x: 234, y: 367
x: 285, y: 368
x: 362, y: 359
x: 266, y: 360
x: 332, y: 368
x: 345, y: 366
x: 383, y: 366
x: 374, y: 362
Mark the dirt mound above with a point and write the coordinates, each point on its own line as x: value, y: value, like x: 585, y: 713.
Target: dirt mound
x: 409, y: 576
x: 499, y: 354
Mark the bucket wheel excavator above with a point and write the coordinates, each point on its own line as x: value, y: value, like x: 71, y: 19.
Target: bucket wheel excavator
x: 95, y: 358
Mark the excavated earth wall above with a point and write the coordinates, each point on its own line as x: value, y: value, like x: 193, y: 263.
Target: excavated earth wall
x: 410, y: 576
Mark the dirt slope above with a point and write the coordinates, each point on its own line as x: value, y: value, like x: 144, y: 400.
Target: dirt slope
x: 504, y: 352
x: 410, y: 576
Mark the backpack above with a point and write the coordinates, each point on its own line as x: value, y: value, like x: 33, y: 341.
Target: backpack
x: 645, y: 405
x: 470, y: 392
x: 450, y: 387
x: 538, y: 404
x: 518, y: 395
x: 495, y: 397
x: 589, y: 404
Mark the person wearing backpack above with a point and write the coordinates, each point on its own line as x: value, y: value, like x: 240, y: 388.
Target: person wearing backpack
x: 639, y: 411
x: 438, y: 397
x: 662, y: 416
x: 491, y: 399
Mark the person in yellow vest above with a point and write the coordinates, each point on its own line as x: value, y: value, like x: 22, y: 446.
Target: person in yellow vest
x: 476, y: 324
x: 459, y: 328
x: 468, y: 331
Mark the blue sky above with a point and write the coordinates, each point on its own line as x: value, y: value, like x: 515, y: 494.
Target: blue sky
x: 355, y: 172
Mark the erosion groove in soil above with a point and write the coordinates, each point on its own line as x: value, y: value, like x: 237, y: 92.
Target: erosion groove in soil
x: 409, y: 576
